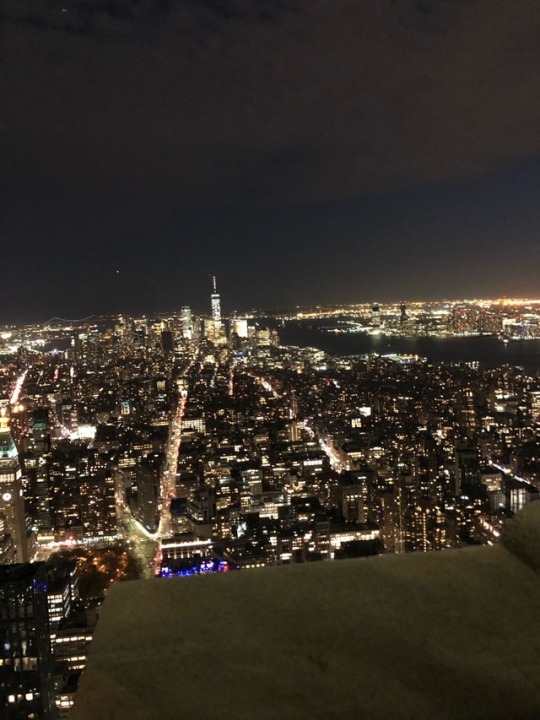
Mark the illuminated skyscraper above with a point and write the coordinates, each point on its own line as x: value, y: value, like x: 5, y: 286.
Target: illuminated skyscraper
x: 38, y: 472
x: 215, y: 303
x: 187, y: 322
x: 11, y: 492
x: 240, y: 327
x: 375, y: 316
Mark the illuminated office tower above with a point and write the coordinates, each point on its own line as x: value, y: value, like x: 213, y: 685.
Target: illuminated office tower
x: 155, y: 328
x: 216, y: 306
x: 96, y: 504
x: 26, y: 661
x: 240, y: 327
x: 140, y: 335
x: 11, y: 492
x: 122, y: 331
x: 187, y: 322
x: 38, y: 472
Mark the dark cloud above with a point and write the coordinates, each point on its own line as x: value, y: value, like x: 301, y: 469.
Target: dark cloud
x: 250, y: 101
x: 118, y: 116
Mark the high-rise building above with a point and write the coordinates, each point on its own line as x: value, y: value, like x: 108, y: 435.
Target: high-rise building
x: 390, y: 502
x: 403, y: 317
x: 167, y: 341
x: 375, y: 316
x: 11, y: 492
x: 140, y: 335
x: 97, y: 504
x: 215, y: 304
x: 8, y: 552
x: 66, y: 411
x: 26, y: 661
x: 467, y: 469
x: 187, y: 323
x: 240, y: 327
x: 534, y: 398
x: 122, y: 331
x: 214, y: 328
x: 353, y: 494
x: 84, y: 500
x: 201, y: 512
x: 146, y: 508
x: 37, y: 470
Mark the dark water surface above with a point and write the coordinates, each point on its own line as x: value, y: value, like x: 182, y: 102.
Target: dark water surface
x: 489, y: 351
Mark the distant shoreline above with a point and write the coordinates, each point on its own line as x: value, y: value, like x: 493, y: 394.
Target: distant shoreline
x: 488, y: 350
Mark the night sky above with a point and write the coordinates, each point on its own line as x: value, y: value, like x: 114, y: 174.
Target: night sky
x: 305, y: 151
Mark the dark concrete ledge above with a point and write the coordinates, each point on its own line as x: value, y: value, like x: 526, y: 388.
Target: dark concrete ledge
x: 451, y: 635
x: 522, y: 535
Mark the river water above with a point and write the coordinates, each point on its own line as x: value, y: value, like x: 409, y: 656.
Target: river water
x: 489, y: 351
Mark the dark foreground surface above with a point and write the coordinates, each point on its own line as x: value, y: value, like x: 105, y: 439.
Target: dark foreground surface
x: 453, y: 634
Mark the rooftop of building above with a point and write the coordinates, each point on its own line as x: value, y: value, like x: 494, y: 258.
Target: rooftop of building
x: 18, y: 572
x: 452, y: 634
x: 8, y: 449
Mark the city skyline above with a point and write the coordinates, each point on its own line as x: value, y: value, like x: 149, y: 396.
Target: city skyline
x: 270, y: 302
x: 181, y: 445
x: 145, y: 146
x: 205, y: 308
